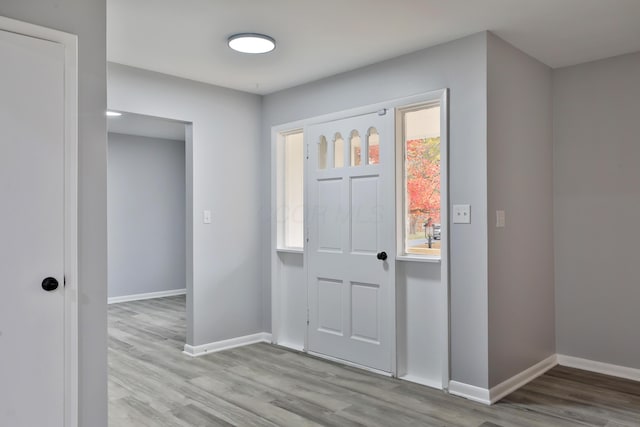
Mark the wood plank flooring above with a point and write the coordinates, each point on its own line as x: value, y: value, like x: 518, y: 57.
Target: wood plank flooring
x: 151, y: 383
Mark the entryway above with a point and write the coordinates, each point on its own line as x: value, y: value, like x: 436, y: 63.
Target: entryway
x: 366, y: 282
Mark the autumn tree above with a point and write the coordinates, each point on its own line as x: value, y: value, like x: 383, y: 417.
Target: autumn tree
x: 422, y: 164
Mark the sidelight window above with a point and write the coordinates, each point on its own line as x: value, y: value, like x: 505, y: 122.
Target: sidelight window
x: 291, y: 189
x: 421, y: 168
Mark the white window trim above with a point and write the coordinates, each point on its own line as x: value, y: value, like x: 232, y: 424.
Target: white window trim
x: 278, y: 140
x: 437, y: 98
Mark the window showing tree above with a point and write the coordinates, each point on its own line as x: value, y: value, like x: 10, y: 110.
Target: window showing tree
x: 373, y: 142
x: 421, y: 164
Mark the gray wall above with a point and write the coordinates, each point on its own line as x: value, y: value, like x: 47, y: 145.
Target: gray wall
x: 87, y: 19
x: 460, y: 66
x: 519, y: 166
x: 223, y: 164
x: 597, y: 206
x: 146, y: 216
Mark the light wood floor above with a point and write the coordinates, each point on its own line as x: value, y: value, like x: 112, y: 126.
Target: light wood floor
x: 151, y: 383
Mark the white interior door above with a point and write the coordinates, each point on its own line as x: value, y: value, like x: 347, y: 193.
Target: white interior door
x: 31, y: 231
x: 351, y: 224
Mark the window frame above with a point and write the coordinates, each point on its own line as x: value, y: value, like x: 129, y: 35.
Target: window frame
x: 433, y: 99
x: 279, y: 136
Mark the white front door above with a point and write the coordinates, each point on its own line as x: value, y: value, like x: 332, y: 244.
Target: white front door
x: 351, y: 213
x: 31, y: 231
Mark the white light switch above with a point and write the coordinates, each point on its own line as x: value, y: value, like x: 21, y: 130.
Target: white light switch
x: 500, y: 219
x: 206, y: 217
x: 462, y: 214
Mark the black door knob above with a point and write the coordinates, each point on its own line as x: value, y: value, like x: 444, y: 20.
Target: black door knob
x: 49, y: 284
x: 382, y: 255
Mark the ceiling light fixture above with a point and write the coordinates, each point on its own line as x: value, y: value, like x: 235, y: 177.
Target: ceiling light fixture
x: 113, y: 114
x: 251, y: 43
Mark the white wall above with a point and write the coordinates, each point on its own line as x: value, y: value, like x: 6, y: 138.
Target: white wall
x: 519, y: 166
x: 224, y: 161
x: 87, y: 19
x: 146, y: 215
x: 597, y: 206
x: 460, y: 66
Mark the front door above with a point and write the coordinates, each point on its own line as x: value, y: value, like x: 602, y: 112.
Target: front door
x: 351, y: 253
x: 31, y: 231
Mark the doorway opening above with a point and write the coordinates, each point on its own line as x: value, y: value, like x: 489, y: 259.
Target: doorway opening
x: 148, y: 255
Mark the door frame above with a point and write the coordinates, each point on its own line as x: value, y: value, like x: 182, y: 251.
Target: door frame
x: 70, y: 43
x: 189, y: 219
x: 441, y: 95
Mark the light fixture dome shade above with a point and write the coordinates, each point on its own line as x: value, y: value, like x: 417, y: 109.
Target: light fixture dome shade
x: 251, y: 43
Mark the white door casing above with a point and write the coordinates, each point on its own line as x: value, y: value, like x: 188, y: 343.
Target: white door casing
x: 351, y: 219
x: 38, y: 140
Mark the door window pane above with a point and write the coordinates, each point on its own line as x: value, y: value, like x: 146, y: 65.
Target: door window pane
x: 356, y: 149
x: 338, y: 151
x: 322, y: 153
x: 373, y: 142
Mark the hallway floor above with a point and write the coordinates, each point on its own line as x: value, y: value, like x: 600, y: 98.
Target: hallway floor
x: 151, y: 383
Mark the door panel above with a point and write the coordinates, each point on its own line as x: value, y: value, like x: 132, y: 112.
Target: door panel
x: 31, y: 231
x: 330, y: 306
x: 351, y: 218
x: 365, y: 312
x: 330, y: 227
x: 364, y: 214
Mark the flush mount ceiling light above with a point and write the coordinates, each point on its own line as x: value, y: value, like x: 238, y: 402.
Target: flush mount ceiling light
x: 113, y: 114
x: 251, y: 43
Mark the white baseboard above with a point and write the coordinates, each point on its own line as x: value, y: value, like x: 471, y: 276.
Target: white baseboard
x: 471, y: 392
x: 199, y: 350
x: 512, y: 384
x: 150, y: 295
x: 599, y: 367
x: 491, y: 396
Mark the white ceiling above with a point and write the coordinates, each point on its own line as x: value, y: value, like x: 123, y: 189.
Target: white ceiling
x: 149, y: 126
x: 317, y: 39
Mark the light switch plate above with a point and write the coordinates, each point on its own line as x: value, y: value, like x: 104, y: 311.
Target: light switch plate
x: 206, y: 217
x: 462, y: 214
x: 500, y: 219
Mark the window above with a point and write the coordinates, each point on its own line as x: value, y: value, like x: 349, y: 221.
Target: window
x: 356, y: 148
x: 373, y: 142
x: 421, y: 180
x: 322, y: 153
x: 338, y: 151
x: 291, y: 190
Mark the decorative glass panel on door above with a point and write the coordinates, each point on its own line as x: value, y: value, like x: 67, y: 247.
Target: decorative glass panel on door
x: 338, y: 151
x: 373, y: 142
x: 322, y: 153
x: 355, y: 148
